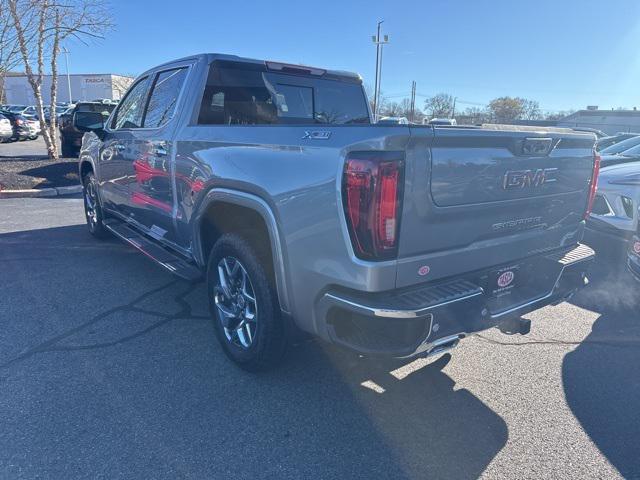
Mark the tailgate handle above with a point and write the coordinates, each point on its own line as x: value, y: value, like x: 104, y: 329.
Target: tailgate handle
x: 537, y: 146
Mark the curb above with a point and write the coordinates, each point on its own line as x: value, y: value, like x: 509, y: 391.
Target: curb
x: 43, y: 192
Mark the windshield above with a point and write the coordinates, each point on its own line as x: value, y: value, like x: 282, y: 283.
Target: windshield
x: 17, y: 108
x: 632, y: 151
x: 621, y: 146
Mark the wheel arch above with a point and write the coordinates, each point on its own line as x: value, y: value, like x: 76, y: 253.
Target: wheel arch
x: 85, y: 166
x: 219, y: 197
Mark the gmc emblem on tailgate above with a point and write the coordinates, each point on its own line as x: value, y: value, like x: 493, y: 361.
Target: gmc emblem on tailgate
x: 528, y: 178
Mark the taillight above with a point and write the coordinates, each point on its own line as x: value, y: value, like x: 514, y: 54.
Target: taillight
x: 593, y: 187
x: 372, y: 196
x: 19, y: 121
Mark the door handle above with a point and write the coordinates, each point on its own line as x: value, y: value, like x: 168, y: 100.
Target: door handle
x: 160, y: 150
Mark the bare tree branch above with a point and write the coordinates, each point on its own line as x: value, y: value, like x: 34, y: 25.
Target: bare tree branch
x: 39, y: 27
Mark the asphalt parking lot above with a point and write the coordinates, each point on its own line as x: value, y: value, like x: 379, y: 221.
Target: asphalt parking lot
x: 109, y: 369
x: 27, y: 148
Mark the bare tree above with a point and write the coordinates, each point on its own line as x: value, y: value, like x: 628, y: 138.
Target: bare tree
x: 402, y: 109
x: 473, y: 116
x: 392, y: 109
x: 9, y: 53
x: 40, y: 28
x: 559, y: 115
x: 121, y: 83
x: 440, y: 105
x: 531, y: 110
x: 383, y: 102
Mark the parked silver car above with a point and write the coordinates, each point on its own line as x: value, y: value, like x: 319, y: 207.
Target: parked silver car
x: 634, y: 254
x: 615, y: 210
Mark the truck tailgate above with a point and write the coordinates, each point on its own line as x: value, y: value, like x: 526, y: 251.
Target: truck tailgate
x: 481, y: 197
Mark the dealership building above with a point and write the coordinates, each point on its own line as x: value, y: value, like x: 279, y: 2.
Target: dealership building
x: 95, y: 86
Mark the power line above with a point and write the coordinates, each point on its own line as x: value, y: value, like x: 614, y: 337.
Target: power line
x: 462, y: 102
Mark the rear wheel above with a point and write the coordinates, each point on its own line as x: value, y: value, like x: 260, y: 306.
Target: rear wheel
x: 92, y: 208
x: 244, y: 306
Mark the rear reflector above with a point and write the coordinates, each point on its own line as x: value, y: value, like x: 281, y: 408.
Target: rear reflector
x: 593, y: 187
x: 372, y: 196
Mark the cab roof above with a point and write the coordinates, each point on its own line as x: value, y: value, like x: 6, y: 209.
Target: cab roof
x: 272, y: 65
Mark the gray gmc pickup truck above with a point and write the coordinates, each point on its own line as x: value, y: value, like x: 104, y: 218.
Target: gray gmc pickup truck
x: 272, y: 182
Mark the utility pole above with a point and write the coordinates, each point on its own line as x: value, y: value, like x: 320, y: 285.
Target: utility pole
x: 453, y: 110
x: 66, y: 58
x: 413, y: 102
x: 376, y: 94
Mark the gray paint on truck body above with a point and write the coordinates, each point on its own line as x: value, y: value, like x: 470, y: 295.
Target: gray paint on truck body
x: 451, y: 202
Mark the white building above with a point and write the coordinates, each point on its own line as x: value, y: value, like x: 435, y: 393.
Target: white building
x: 609, y: 121
x: 17, y: 90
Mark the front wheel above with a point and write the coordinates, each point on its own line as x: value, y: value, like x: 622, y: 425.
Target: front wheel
x: 244, y: 305
x: 92, y: 208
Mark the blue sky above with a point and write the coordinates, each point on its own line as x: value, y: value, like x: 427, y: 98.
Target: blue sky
x: 563, y: 53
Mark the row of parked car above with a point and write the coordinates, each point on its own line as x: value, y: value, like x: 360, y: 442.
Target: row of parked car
x: 20, y: 122
x: 16, y: 127
x: 614, y: 224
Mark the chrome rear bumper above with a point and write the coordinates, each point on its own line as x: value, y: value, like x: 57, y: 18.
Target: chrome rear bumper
x: 415, y: 321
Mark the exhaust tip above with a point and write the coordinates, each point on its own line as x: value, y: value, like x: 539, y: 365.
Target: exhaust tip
x: 444, y: 344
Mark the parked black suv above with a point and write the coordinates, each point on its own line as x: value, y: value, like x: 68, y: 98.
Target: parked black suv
x: 70, y: 137
x: 21, y: 130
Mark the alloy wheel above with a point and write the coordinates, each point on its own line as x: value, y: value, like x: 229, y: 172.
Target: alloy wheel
x: 235, y: 300
x: 91, y: 202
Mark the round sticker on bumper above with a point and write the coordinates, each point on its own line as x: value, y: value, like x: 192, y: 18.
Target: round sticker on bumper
x: 636, y: 248
x: 424, y: 270
x: 506, y: 279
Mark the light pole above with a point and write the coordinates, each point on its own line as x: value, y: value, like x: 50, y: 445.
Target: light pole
x: 379, y: 44
x: 66, y: 58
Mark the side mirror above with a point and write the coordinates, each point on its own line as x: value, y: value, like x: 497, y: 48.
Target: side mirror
x: 88, y: 121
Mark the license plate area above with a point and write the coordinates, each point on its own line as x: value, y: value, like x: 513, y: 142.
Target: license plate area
x: 515, y: 284
x: 503, y: 281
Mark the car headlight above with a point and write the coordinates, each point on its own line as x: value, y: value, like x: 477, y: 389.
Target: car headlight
x: 631, y: 179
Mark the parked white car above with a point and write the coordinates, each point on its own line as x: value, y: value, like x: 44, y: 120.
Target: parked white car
x: 6, y: 130
x: 394, y: 120
x: 34, y: 128
x: 442, y: 121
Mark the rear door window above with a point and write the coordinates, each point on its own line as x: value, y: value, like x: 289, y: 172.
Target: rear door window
x: 255, y: 96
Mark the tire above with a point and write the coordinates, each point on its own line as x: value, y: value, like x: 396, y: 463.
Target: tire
x: 68, y: 150
x: 261, y: 343
x: 92, y: 208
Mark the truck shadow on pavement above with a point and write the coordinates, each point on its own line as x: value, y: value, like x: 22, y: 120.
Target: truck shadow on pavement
x: 600, y: 377
x: 110, y: 367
